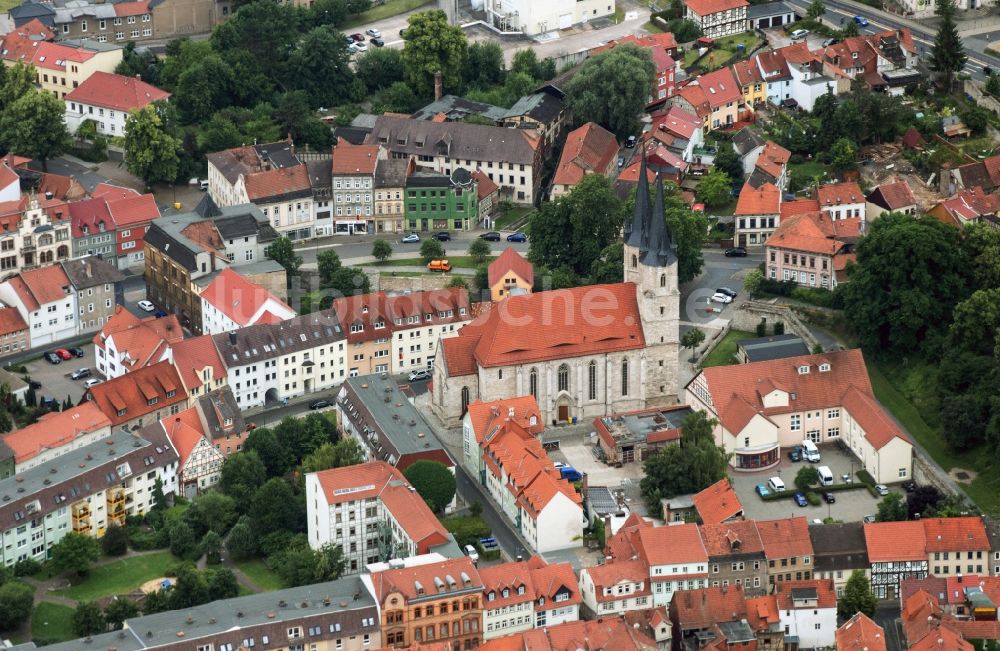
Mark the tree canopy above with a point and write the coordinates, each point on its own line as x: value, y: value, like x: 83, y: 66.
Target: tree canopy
x: 611, y: 89
x: 432, y: 45
x: 693, y: 465
x: 948, y: 52
x: 150, y: 151
x: 75, y: 553
x: 857, y: 597
x: 434, y: 482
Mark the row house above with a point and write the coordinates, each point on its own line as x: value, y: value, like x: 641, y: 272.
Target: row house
x: 36, y: 229
x: 682, y: 133
x: 545, y: 112
x: 929, y: 627
x: 199, y: 462
x: 105, y: 99
x: 751, y: 80
x: 810, y: 78
x: 353, y: 174
x: 54, y: 434
x: 59, y: 67
x: 777, y: 76
x: 99, y: 292
x: 46, y: 302
x: 757, y: 215
x: 787, y: 548
x: 372, y: 513
x: 221, y: 420
x: 148, y: 394
x: 113, y: 224
x: 715, y: 97
x: 965, y: 207
x: 840, y: 550
x: 390, y: 185
x: 269, y: 363
x: 718, y: 616
x: 14, y: 331
x: 736, y: 556
x: 718, y: 18
x: 520, y: 596
x: 589, y: 149
x: 127, y: 343
x: 436, y: 202
x: 770, y: 166
x: 841, y: 200
x: 812, y: 249
x: 616, y: 588
x: 808, y: 612
x: 376, y: 412
x: 766, y: 405
x: 512, y: 158
x: 608, y: 633
x: 231, y: 302
x: 718, y: 503
x: 84, y: 490
x: 487, y: 418
x: 394, y: 333
x: 428, y: 599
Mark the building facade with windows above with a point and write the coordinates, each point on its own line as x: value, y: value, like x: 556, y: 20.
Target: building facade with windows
x: 98, y: 291
x: 59, y: 67
x: 718, y: 18
x: 436, y: 202
x: 522, y: 595
x: 353, y: 187
x: 106, y: 98
x: 812, y: 250
x: 144, y: 396
x: 46, y: 302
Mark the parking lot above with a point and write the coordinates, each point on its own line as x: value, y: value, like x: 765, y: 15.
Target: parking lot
x: 576, y: 450
x: 55, y: 377
x: 850, y: 505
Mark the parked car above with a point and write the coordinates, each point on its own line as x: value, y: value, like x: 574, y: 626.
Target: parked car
x: 728, y: 291
x: 630, y: 142
x: 800, y: 499
x: 443, y: 236
x: 319, y: 404
x: 35, y: 384
x: 371, y: 31
x: 570, y: 473
x: 846, y: 478
x: 471, y: 552
x: 558, y: 464
x: 348, y: 40
x: 795, y: 453
x: 77, y: 352
x: 92, y: 382
x: 410, y: 239
x: 882, y: 489
x: 419, y: 374
x: 869, y: 519
x: 829, y: 498
x: 361, y: 46
x: 79, y: 374
x: 517, y: 237
x: 159, y: 314
x: 736, y: 252
x: 146, y: 306
x: 719, y: 297
x: 861, y: 21
x: 358, y: 37
x: 799, y: 34
x: 830, y: 41
x: 52, y: 358
x: 492, y: 236
x: 378, y: 42
x: 438, y: 265
x: 762, y: 490
x: 64, y: 354
x: 352, y: 48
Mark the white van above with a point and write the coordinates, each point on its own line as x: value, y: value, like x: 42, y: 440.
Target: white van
x: 810, y: 452
x: 777, y: 486
x: 825, y: 476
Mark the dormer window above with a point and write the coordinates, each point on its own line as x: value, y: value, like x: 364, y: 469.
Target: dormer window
x: 520, y: 589
x: 824, y: 368
x: 506, y: 593
x: 804, y: 369
x: 364, y: 309
x: 491, y: 596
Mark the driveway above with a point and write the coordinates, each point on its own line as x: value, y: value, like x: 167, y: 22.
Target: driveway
x: 55, y: 377
x: 777, y: 38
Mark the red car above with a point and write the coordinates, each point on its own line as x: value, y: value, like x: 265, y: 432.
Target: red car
x: 358, y: 37
x: 64, y: 354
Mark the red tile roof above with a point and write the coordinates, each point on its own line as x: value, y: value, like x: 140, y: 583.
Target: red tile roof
x: 708, y: 7
x: 678, y: 122
x: 380, y: 308
x: 762, y: 613
x: 747, y: 72
x: 277, y: 182
x: 785, y: 538
x: 594, y: 635
x: 484, y: 184
x: 880, y: 428
x: 354, y: 160
x: 662, y: 41
x: 718, y: 503
x: 184, y: 429
x: 142, y: 341
x: 698, y: 609
x: 736, y: 537
x: 116, y: 92
x: 773, y: 65
x: 860, y: 633
x: 609, y: 574
x: 132, y: 8
x: 896, y: 541
x: 773, y: 159
x: 591, y: 319
x: 128, y: 397
x: 812, y: 232
x: 826, y: 595
x: 951, y: 534
x: 765, y: 200
x: 45, y: 55
x: 553, y: 579
x: 37, y: 287
x: 55, y: 429
x: 510, y: 260
x: 11, y: 321
x: 240, y: 299
x: 419, y: 580
x: 838, y: 194
x: 590, y: 149
x: 485, y: 416
x: 798, y: 207
x: 673, y: 545
x: 194, y: 355
x: 512, y: 576
x: 133, y: 211
x: 720, y: 86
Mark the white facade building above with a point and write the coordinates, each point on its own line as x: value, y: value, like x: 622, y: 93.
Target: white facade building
x: 808, y: 610
x: 46, y: 301
x: 532, y: 17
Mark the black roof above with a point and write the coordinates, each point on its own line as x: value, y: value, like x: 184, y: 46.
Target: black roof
x: 768, y: 9
x: 839, y: 546
x: 773, y: 347
x: 353, y: 135
x: 648, y: 229
x: 28, y: 11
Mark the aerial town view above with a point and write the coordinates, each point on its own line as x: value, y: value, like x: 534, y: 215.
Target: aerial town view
x: 507, y: 325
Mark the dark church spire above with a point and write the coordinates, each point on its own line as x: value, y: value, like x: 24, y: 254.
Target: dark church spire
x: 659, y: 249
x: 635, y: 232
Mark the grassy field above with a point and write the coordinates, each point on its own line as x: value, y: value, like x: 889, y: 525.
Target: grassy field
x: 511, y: 216
x: 260, y: 574
x: 810, y: 169
x: 455, y: 260
x: 387, y: 10
x: 52, y: 622
x: 120, y: 577
x: 725, y: 50
x: 652, y: 28
x: 722, y: 354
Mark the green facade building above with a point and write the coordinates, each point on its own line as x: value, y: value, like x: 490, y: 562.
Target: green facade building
x: 438, y: 202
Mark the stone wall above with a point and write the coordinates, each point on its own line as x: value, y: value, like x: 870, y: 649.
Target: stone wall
x: 385, y: 282
x: 748, y: 315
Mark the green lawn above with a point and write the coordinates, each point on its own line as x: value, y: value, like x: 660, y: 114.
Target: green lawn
x: 390, y: 8
x: 725, y: 349
x: 120, y: 577
x: 52, y: 622
x: 511, y: 216
x: 723, y: 52
x: 652, y: 28
x: 810, y: 169
x: 260, y: 574
x: 455, y: 260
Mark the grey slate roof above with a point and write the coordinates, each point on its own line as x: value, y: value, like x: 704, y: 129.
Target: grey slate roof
x: 396, y: 419
x: 543, y: 107
x: 260, y: 342
x: 453, y: 139
x: 91, y: 272
x: 768, y: 9
x: 773, y: 347
x: 648, y: 232
x: 391, y: 172
x: 458, y: 108
x: 166, y: 233
x: 320, y: 178
x: 26, y: 12
x: 217, y: 407
x: 746, y: 140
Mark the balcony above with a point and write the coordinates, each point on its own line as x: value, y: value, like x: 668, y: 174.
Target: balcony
x: 116, y: 506
x: 81, y: 518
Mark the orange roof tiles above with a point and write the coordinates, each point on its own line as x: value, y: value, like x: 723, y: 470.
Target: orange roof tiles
x: 798, y: 207
x: 944, y: 638
x: 128, y: 397
x: 765, y: 200
x: 240, y: 299
x: 419, y: 580
x: 510, y: 260
x: 38, y: 287
x: 11, y: 321
x: 708, y: 7
x: 354, y: 160
x: 718, y: 503
x: 512, y: 576
x: 826, y: 596
x: 894, y: 196
x: 131, y: 211
x: 184, y: 429
x: 860, y: 633
x: 609, y: 574
x: 117, y: 92
x: 485, y: 416
x: 277, y: 182
x: 589, y: 149
x: 55, y: 429
x: 951, y: 534
x: 698, y: 609
x: 139, y: 341
x: 838, y: 194
x: 192, y: 356
x: 773, y: 159
x: 725, y: 538
x: 896, y: 541
x: 554, y: 579
x: 810, y: 232
x: 132, y: 8
x: 747, y: 72
x: 879, y: 427
x: 673, y: 545
x: 720, y: 86
x: 762, y: 612
x: 594, y: 635
x: 484, y: 184
x: 785, y: 538
x: 676, y: 121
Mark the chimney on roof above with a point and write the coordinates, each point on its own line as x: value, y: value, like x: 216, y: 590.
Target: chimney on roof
x: 232, y: 337
x: 438, y: 85
x: 48, y: 195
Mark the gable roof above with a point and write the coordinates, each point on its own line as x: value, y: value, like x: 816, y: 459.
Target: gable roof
x: 354, y: 160
x: 54, y: 429
x: 590, y: 149
x: 950, y: 534
x: 193, y: 355
x: 896, y: 541
x: 785, y: 538
x: 736, y: 537
x: 718, y: 503
x: 708, y: 7
x: 672, y: 545
x: 813, y: 232
x: 90, y: 271
x: 184, y: 430
x: 139, y: 341
x: 765, y: 200
x: 116, y: 92
x: 128, y: 397
x: 456, y: 140
x: 486, y: 416
x: 427, y: 580
x: 698, y: 609
x: 241, y: 299
x: 510, y: 260
x: 838, y: 194
x: 860, y: 633
x: 11, y: 321
x: 819, y: 589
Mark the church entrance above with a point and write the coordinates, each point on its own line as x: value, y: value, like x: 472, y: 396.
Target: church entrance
x: 563, y: 413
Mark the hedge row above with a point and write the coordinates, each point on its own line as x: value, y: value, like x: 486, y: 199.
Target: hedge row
x: 789, y: 493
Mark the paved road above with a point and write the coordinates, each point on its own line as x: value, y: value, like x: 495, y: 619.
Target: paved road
x: 470, y: 491
x: 357, y: 249
x: 719, y: 271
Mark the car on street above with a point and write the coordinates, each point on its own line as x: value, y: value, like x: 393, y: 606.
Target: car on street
x: 762, y: 490
x: 861, y: 21
x: 52, y: 358
x: 64, y: 354
x: 412, y: 238
x: 361, y: 46
x: 92, y: 382
x: 882, y: 489
x: 146, y: 306
x: 829, y: 498
x: 378, y: 42
x: 443, y: 236
x: 830, y: 41
x: 319, y: 404
x: 357, y: 36
x: 621, y: 161
x: 630, y: 142
x: 371, y: 31
x: 795, y: 453
x: 736, y: 252
x: 79, y: 374
x: 492, y: 236
x: 799, y: 34
x: 719, y: 297
x: 419, y: 374
x: 728, y: 291
x: 800, y: 499
x: 517, y: 237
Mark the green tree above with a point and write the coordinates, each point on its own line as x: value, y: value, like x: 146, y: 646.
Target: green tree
x: 457, y: 282
x: 282, y: 252
x: 431, y: 249
x: 993, y: 85
x: 345, y: 452
x: 261, y: 30
x: 611, y: 89
x: 241, y: 542
x: 157, y: 601
x: 16, y: 600
x: 692, y: 338
x: 684, y: 30
x: 432, y: 46
x: 211, y: 547
x: 275, y: 507
x: 182, y: 541
x: 688, y: 229
x: 190, y: 589
x: 380, y: 67
x: 715, y: 189
x: 976, y: 118
x: 484, y: 65
x: 909, y: 275
x: 609, y: 267
x: 272, y: 453
x: 115, y: 540
x: 816, y: 10
x: 948, y: 53
x: 88, y: 619
x: 347, y: 281
x: 689, y: 467
x: 433, y: 481
x: 806, y: 477
x: 158, y: 502
x: 330, y: 563
x: 857, y: 597
x: 322, y: 66
x: 398, y: 98
x: 211, y: 511
x: 204, y: 88
x: 526, y: 61
x: 850, y: 29
x: 753, y: 281
x: 327, y: 264
x: 144, y: 64
x: 18, y: 80
x: 843, y: 154
x: 33, y: 125
x: 381, y: 250
x: 891, y: 508
x: 479, y: 251
x: 221, y: 583
x: 728, y: 162
x: 75, y: 553
x: 118, y: 610
x: 150, y: 151
x: 242, y: 474
x: 296, y: 117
